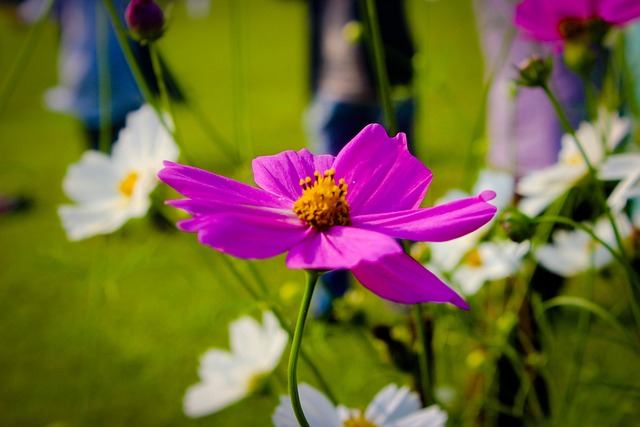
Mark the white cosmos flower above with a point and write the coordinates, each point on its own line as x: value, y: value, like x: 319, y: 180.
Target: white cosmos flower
x: 626, y: 169
x: 492, y: 260
x: 391, y: 407
x: 226, y: 377
x: 574, y: 252
x: 109, y: 190
x: 445, y: 256
x: 541, y: 187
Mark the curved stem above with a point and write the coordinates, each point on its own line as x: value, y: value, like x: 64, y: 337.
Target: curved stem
x: 567, y: 126
x: 123, y: 40
x: 370, y: 17
x: 165, y: 98
x: 632, y: 275
x: 312, y: 278
x: 104, y: 80
x: 600, y: 193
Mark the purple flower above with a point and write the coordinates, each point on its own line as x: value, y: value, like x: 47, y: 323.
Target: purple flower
x: 558, y: 20
x: 145, y: 19
x: 343, y: 212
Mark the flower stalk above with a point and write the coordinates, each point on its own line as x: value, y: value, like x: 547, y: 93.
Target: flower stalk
x: 370, y: 17
x: 312, y: 278
x: 426, y: 379
x: 121, y: 35
x: 594, y: 175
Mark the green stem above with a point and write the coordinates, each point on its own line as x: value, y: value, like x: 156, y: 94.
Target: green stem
x: 426, y: 380
x: 632, y: 275
x: 370, y: 17
x: 281, y: 318
x: 165, y: 98
x: 590, y: 98
x: 567, y: 127
x: 25, y: 53
x: 123, y: 40
x: 312, y: 278
x: 600, y: 193
x: 104, y: 79
x: 582, y: 331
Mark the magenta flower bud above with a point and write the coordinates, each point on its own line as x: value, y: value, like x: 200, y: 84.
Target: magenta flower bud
x: 145, y: 19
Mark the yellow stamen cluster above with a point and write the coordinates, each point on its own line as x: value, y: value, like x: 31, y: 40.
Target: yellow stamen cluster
x: 361, y: 421
x: 128, y: 184
x: 323, y: 203
x: 473, y: 258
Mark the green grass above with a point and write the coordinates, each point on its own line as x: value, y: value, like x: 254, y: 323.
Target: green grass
x: 107, y: 331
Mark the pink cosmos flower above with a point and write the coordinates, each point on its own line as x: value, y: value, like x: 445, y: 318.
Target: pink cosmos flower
x: 343, y: 212
x: 558, y: 20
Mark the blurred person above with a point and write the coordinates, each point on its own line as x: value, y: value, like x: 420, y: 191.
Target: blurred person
x: 86, y: 33
x: 523, y: 129
x: 343, y: 88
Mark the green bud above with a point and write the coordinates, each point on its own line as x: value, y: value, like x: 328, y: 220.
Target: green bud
x: 517, y: 226
x: 535, y: 71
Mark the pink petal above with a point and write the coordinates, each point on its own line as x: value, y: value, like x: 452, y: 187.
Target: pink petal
x: 256, y: 235
x: 199, y: 184
x: 281, y: 173
x: 340, y: 248
x: 437, y: 224
x: 400, y: 278
x: 541, y: 17
x: 381, y: 174
x: 619, y: 12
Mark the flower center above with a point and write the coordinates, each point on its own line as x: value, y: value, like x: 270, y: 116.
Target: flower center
x: 361, y: 421
x: 592, y: 29
x: 258, y: 383
x: 323, y: 203
x: 127, y: 185
x: 473, y: 258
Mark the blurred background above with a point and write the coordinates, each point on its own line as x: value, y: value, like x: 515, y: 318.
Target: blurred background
x: 108, y: 331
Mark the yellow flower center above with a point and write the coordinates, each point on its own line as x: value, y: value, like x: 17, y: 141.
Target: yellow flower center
x: 128, y: 184
x: 361, y: 421
x: 258, y: 383
x: 473, y: 258
x: 573, y: 160
x: 323, y: 203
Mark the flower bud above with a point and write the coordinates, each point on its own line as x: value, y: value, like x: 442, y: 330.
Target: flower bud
x: 145, y: 20
x: 535, y: 71
x: 517, y: 226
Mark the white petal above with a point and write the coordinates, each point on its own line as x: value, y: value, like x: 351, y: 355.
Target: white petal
x: 276, y: 337
x: 246, y: 339
x: 391, y: 404
x: 92, y: 178
x: 318, y: 410
x: 619, y: 166
x: 212, y: 396
x: 540, y: 188
x: 501, y: 182
x: 427, y: 417
x: 215, y: 361
x: 87, y: 220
